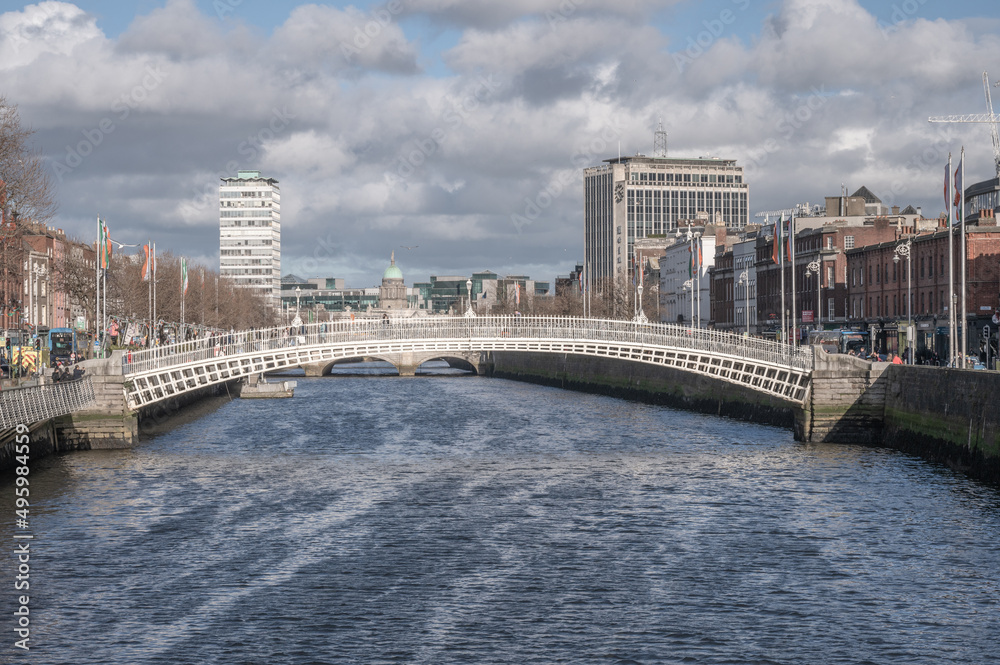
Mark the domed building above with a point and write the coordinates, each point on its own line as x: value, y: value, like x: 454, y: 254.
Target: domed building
x: 392, y: 292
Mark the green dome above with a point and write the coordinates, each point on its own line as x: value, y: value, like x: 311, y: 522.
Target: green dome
x: 392, y: 272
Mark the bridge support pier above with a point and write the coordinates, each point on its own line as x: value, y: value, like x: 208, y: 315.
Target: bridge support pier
x: 846, y: 401
x: 110, y: 424
x: 315, y: 369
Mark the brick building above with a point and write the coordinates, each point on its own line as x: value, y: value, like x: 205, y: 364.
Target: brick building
x: 826, y: 245
x: 878, y: 288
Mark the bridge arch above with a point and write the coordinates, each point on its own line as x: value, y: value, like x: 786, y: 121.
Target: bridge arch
x: 406, y: 363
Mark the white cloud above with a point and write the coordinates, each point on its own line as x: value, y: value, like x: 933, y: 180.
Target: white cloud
x: 822, y: 95
x: 56, y: 28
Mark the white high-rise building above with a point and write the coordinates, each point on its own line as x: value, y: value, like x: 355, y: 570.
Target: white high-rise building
x: 629, y: 198
x: 250, y: 233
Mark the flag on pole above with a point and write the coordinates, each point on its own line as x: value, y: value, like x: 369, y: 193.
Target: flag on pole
x: 947, y: 203
x: 788, y: 240
x: 776, y: 249
x: 184, y: 276
x: 103, y: 244
x: 145, y: 264
x: 517, y: 293
x: 958, y: 179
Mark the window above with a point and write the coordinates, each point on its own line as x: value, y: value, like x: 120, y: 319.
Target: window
x: 848, y: 242
x: 829, y: 242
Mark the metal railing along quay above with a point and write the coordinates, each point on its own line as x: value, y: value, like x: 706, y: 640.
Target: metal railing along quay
x: 471, y: 329
x: 25, y: 406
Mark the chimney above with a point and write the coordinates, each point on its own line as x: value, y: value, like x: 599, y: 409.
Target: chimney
x: 895, y: 210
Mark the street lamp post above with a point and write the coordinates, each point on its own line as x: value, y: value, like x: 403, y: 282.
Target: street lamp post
x: 903, y: 250
x: 469, y: 313
x: 297, y: 321
x: 745, y: 283
x: 689, y: 285
x: 815, y: 268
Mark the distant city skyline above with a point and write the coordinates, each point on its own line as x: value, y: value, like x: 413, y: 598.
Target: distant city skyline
x: 462, y: 128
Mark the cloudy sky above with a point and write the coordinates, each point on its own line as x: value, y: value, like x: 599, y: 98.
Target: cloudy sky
x: 460, y: 127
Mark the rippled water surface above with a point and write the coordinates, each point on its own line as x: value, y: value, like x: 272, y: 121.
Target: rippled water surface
x: 470, y: 520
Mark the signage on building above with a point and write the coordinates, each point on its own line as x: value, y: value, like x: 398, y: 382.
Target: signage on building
x: 807, y: 316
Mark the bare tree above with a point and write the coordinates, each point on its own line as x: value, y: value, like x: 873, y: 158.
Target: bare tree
x: 27, y: 185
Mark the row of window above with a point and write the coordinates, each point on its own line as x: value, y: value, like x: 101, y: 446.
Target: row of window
x: 702, y: 178
x: 247, y: 194
x: 253, y: 212
x: 246, y: 204
x: 923, y: 304
x: 880, y: 274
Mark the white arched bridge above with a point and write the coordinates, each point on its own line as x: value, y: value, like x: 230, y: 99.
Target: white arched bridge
x: 168, y: 371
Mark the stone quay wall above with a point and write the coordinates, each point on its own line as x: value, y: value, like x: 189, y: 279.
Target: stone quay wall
x: 644, y: 382
x: 951, y: 416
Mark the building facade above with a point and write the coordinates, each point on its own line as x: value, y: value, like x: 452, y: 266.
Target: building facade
x: 250, y: 234
x: 880, y: 290
x: 679, y: 266
x: 630, y: 198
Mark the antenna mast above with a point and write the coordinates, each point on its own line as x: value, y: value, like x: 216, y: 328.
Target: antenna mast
x: 660, y: 141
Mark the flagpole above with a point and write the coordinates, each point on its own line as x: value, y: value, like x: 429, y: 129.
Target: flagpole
x: 153, y: 278
x: 97, y: 284
x: 781, y: 266
x: 149, y: 288
x: 791, y: 259
x: 183, y: 293
x: 951, y: 267
x: 965, y: 311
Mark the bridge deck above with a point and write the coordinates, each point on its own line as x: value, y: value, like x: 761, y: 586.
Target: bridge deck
x: 769, y: 367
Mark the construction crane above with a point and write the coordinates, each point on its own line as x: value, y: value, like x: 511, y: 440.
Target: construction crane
x: 988, y: 117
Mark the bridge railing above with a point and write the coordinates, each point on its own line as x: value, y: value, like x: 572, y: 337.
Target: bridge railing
x: 24, y: 406
x: 507, y: 328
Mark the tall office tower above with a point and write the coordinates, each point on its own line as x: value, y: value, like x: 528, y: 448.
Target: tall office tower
x: 250, y: 233
x: 637, y: 197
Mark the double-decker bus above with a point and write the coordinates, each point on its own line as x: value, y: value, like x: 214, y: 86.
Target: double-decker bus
x: 61, y: 344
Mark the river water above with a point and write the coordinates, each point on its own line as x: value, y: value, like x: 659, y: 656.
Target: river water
x: 470, y: 520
